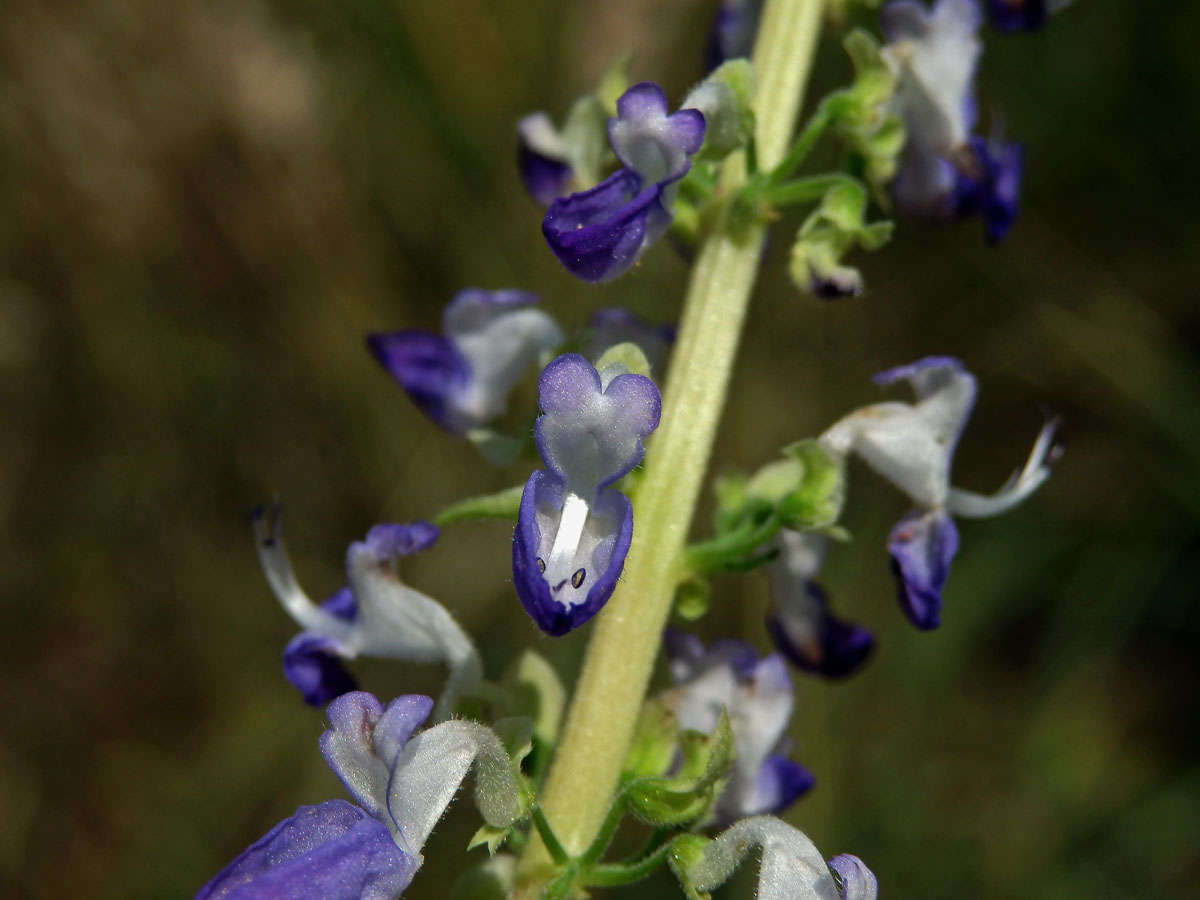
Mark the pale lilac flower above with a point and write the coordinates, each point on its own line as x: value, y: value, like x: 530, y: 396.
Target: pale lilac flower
x: 792, y: 868
x: 912, y: 445
x: 376, y: 615
x: 757, y: 697
x: 402, y: 782
x: 462, y: 378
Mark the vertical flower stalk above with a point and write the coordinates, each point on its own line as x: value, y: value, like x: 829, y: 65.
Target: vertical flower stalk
x: 620, y: 657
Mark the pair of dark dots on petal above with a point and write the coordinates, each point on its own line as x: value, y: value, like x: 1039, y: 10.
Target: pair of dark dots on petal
x: 576, y: 579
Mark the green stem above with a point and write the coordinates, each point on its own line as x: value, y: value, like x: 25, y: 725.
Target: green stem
x: 622, y: 873
x: 608, y: 827
x: 805, y: 190
x: 549, y: 839
x: 628, y: 632
x: 500, y: 505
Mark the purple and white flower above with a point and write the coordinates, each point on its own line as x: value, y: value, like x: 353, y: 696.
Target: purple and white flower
x: 376, y: 615
x: 792, y: 867
x: 461, y: 379
x: 402, y: 782
x: 599, y: 233
x: 573, y: 529
x: 944, y: 172
x: 757, y: 697
x: 800, y: 623
x: 609, y: 326
x: 912, y: 445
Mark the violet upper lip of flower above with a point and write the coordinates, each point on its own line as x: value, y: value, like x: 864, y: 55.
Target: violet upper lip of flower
x: 912, y: 445
x: 377, y: 615
x: 599, y: 233
x: 573, y: 529
x: 461, y: 379
x: 757, y: 696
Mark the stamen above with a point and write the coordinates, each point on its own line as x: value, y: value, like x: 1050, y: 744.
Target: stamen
x: 577, y: 578
x: 566, y: 540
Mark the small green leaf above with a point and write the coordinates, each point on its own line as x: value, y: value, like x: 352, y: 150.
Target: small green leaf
x: 491, y: 836
x: 623, y: 359
x: 688, y: 796
x: 501, y: 505
x: 653, y: 741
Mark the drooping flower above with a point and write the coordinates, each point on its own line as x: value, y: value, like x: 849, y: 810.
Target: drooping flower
x: 573, y: 530
x: 912, y: 445
x: 944, y: 171
x: 599, y: 233
x: 792, y: 868
x: 402, y: 781
x: 800, y: 623
x: 609, y: 326
x: 757, y: 697
x: 462, y: 379
x: 376, y: 615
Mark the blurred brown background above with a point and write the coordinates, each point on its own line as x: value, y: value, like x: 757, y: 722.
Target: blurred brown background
x: 207, y: 205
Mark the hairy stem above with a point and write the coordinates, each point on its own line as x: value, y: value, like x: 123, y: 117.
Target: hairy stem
x: 628, y: 632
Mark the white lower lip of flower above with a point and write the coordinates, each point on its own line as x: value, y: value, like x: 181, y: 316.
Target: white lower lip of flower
x: 561, y: 566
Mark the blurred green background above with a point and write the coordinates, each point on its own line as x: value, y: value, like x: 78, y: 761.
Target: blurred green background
x: 207, y: 205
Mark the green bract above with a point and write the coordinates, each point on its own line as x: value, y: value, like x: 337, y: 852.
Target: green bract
x: 689, y: 795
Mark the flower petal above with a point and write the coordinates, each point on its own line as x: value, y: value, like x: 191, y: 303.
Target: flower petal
x: 312, y: 664
x: 599, y: 233
x: 363, y: 743
x: 922, y: 548
x: 857, y: 881
x: 542, y: 159
x: 599, y: 555
x: 430, y: 369
x: 653, y: 145
x: 331, y: 851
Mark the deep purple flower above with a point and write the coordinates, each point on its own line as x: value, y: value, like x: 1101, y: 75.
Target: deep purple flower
x: 331, y: 851
x: 377, y: 615
x: 799, y: 622
x: 599, y: 233
x: 1009, y: 16
x: 573, y: 530
x: 462, y: 379
x: 912, y: 445
x: 990, y: 185
x: 757, y: 697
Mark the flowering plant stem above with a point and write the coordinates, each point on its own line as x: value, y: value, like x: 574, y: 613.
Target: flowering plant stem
x: 620, y: 658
